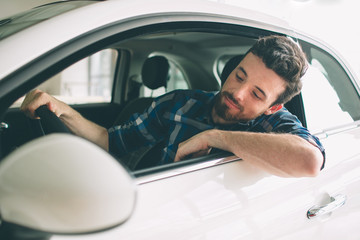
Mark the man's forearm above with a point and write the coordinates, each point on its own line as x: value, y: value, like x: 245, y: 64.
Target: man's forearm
x: 284, y: 155
x: 86, y: 129
x: 280, y: 154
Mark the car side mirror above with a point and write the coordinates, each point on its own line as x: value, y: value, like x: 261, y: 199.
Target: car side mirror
x: 64, y: 184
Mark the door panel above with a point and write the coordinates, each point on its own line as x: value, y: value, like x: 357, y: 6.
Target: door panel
x: 238, y: 201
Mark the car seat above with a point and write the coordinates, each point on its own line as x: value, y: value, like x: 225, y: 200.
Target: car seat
x: 154, y: 74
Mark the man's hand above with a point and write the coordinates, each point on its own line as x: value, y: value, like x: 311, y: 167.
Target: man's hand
x: 196, y: 146
x: 37, y: 98
x: 71, y: 118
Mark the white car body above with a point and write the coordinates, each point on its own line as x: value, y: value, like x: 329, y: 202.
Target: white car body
x: 225, y: 198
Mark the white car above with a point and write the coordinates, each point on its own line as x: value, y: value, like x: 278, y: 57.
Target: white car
x: 91, y: 55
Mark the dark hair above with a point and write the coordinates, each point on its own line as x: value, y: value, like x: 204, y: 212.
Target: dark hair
x: 286, y: 59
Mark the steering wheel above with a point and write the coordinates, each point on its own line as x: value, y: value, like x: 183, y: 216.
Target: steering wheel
x: 49, y: 122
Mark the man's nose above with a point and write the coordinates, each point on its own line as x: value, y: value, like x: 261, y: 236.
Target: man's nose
x: 240, y: 93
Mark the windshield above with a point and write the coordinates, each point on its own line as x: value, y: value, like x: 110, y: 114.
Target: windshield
x: 18, y: 22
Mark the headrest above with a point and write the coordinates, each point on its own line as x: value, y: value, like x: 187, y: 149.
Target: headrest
x: 230, y: 65
x: 155, y: 72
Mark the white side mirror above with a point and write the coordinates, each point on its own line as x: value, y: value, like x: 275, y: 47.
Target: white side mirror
x: 64, y: 184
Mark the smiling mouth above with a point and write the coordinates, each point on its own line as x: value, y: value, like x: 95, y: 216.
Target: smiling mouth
x: 231, y: 103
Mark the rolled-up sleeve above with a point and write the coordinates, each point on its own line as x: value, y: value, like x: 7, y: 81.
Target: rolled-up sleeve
x: 288, y: 123
x: 285, y: 122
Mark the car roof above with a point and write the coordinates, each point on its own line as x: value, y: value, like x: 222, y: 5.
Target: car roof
x: 24, y: 46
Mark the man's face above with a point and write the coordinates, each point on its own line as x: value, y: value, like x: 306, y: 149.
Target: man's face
x: 249, y: 91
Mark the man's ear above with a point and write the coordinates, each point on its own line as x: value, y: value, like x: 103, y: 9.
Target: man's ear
x: 274, y: 109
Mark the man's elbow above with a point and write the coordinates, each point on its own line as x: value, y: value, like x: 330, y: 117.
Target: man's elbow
x: 314, y: 162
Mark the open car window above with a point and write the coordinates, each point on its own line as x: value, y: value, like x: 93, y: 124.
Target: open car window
x: 113, y: 73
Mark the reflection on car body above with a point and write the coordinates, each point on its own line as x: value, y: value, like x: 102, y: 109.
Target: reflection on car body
x: 214, y: 197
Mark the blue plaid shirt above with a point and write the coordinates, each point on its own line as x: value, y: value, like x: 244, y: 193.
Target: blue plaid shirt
x: 181, y: 114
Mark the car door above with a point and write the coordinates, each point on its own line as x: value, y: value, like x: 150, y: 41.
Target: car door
x: 227, y: 198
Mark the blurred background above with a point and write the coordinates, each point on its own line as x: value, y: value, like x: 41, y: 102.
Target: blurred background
x: 332, y: 21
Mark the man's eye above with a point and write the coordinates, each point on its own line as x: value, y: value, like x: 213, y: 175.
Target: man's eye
x: 257, y: 96
x: 239, y: 78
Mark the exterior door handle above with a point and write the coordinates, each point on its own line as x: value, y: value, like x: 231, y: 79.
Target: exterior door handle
x: 336, y: 202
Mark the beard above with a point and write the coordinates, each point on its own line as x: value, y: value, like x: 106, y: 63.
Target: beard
x: 223, y: 111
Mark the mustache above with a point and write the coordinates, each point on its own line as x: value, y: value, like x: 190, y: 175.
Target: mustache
x: 232, y: 98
